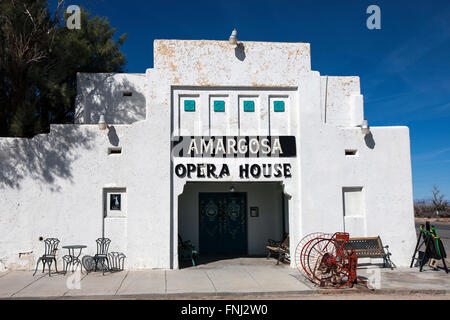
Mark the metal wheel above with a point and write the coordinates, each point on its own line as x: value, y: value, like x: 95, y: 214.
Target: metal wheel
x: 302, y: 248
x: 327, y: 260
x: 328, y: 264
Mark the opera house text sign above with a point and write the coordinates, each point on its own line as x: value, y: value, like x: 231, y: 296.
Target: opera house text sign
x: 234, y: 147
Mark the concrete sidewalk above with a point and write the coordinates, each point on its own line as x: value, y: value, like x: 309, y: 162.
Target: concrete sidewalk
x: 238, y: 277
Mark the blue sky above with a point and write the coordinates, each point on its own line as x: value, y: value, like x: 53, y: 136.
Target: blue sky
x: 404, y: 67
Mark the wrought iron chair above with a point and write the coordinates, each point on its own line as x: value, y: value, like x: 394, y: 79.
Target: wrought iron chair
x: 88, y: 263
x: 102, y: 254
x: 117, y: 261
x: 186, y: 250
x: 51, y: 246
x: 67, y: 261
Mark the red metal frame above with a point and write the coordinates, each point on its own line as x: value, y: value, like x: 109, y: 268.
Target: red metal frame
x: 328, y: 260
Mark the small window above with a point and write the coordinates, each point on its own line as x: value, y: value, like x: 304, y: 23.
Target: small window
x: 278, y: 106
x: 351, y: 152
x: 189, y: 105
x: 219, y: 106
x: 127, y: 93
x: 115, y: 150
x: 249, y: 106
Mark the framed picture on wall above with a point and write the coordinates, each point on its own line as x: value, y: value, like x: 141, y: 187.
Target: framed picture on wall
x: 115, y: 202
x: 254, y: 212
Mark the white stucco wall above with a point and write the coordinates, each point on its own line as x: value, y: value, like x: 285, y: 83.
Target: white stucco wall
x: 382, y: 167
x: 343, y: 101
x: 52, y: 185
x: 119, y: 96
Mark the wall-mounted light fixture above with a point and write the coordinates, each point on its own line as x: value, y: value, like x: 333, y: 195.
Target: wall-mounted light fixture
x: 233, y: 38
x: 365, y: 129
x: 102, y: 125
x: 232, y: 189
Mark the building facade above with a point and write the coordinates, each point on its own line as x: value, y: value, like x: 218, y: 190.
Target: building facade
x: 223, y: 145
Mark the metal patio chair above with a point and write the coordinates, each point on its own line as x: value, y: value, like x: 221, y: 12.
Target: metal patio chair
x: 51, y: 246
x: 88, y: 263
x: 102, y: 254
x: 117, y: 261
x: 186, y: 250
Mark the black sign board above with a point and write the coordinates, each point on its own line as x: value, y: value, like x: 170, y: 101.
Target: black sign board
x: 234, y: 147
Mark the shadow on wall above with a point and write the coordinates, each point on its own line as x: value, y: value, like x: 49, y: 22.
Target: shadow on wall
x: 370, y: 142
x: 47, y: 157
x: 115, y: 96
x: 112, y: 136
x: 44, y: 158
x: 239, y: 51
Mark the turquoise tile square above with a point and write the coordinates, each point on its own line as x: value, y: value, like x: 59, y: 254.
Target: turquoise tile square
x: 189, y: 105
x: 278, y: 106
x: 249, y: 106
x: 219, y: 106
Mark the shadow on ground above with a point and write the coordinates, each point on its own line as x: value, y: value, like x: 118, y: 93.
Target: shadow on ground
x: 221, y: 260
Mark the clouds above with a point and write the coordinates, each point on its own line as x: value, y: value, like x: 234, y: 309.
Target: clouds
x: 433, y: 154
x: 431, y: 36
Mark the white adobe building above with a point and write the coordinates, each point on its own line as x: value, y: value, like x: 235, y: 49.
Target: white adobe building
x: 296, y: 161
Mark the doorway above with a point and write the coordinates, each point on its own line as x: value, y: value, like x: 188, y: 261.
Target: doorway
x: 223, y: 223
x: 201, y: 204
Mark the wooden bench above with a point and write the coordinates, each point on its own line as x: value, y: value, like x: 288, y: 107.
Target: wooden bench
x: 280, y: 248
x: 371, y: 247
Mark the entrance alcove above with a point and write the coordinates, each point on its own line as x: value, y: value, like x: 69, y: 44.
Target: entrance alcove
x: 227, y: 220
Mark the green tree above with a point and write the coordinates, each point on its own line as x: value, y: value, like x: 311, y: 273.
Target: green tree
x: 39, y: 60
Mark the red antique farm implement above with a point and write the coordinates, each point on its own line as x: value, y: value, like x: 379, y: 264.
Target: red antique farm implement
x: 328, y: 260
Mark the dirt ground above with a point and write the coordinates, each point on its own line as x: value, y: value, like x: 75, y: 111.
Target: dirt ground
x: 327, y: 296
x: 423, y: 220
x: 339, y: 296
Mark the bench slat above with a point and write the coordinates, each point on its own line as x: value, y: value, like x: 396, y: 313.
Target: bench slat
x: 367, y: 247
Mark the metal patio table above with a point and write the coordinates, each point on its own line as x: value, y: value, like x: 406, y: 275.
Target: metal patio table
x: 72, y: 258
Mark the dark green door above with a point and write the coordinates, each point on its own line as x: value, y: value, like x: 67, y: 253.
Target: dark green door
x: 223, y: 223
